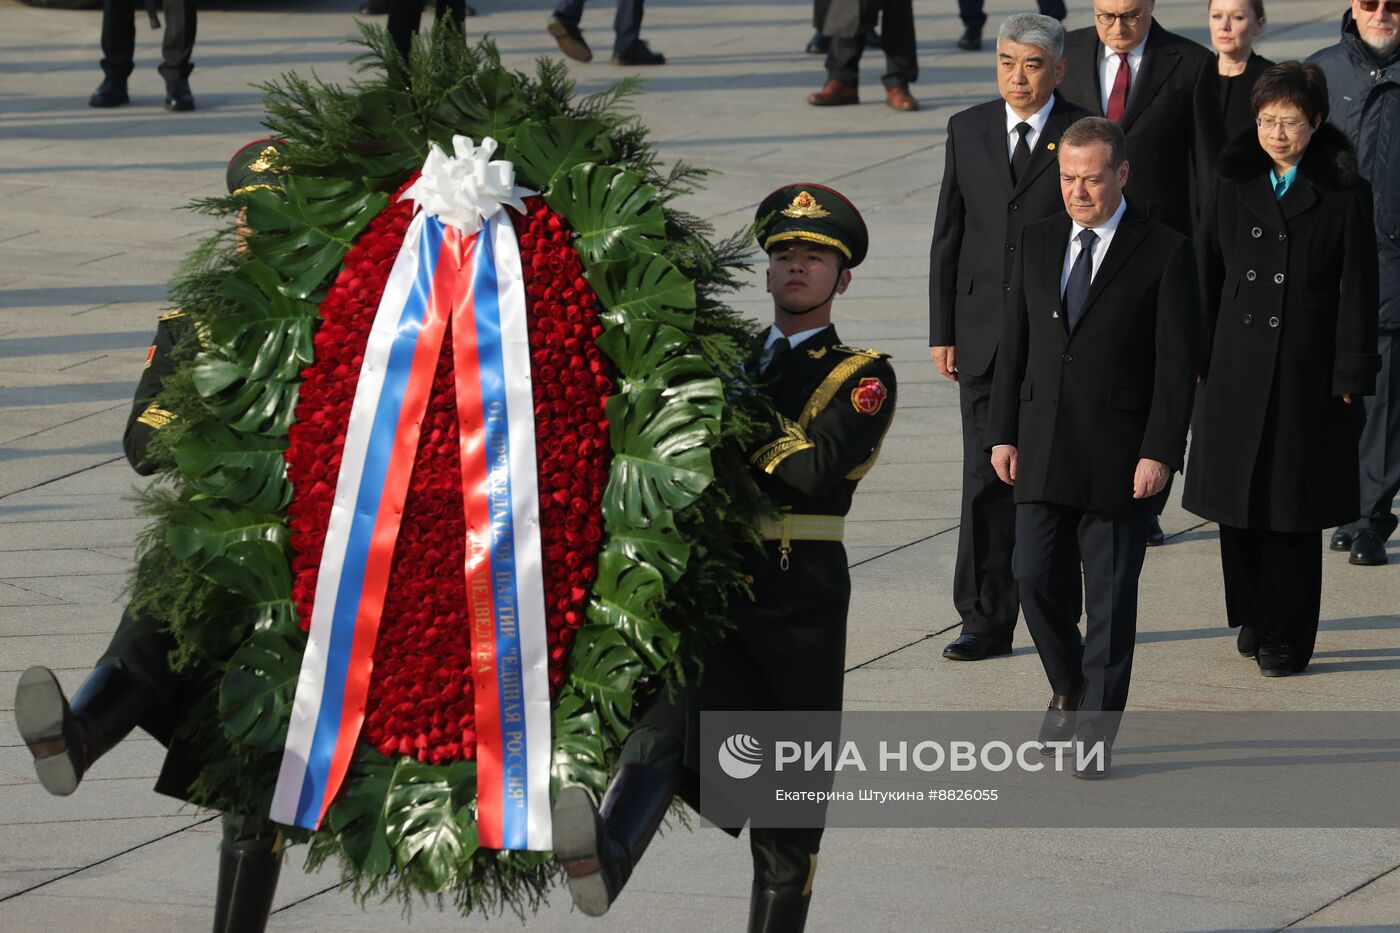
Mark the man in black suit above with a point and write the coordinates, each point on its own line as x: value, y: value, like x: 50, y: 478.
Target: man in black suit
x: 1090, y: 405
x: 998, y: 175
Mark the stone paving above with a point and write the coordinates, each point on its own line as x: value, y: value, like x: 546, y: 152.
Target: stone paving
x: 89, y: 232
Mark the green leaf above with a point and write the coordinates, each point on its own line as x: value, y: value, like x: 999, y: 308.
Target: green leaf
x: 359, y: 815
x: 245, y: 468
x: 256, y: 406
x: 271, y: 334
x: 625, y: 599
x: 648, y: 353
x: 255, y: 698
x: 605, y: 669
x: 431, y: 839
x: 305, y: 230
x: 491, y: 105
x: 659, y: 545
x: 241, y: 549
x: 545, y: 152
x: 580, y: 751
x: 387, y: 138
x: 644, y: 288
x: 614, y: 212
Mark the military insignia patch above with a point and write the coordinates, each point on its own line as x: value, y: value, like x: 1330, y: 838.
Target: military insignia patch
x: 150, y: 356
x: 869, y: 396
x: 804, y: 205
x: 817, y: 354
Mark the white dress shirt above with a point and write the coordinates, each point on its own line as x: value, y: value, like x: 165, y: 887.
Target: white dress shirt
x: 795, y: 339
x: 1036, y: 120
x: 1105, y: 231
x: 1108, y: 70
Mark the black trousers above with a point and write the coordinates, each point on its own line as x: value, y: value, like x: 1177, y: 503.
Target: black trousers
x: 119, y: 39
x: 1273, y: 584
x: 404, y: 17
x: 1053, y: 543
x: 627, y: 21
x: 896, y: 38
x: 970, y: 11
x: 1380, y: 443
x: 984, y: 590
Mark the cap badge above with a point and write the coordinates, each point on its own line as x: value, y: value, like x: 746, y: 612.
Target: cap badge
x: 804, y: 205
x: 265, y: 162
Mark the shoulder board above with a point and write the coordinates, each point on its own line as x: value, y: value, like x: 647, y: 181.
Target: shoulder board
x: 171, y: 315
x: 857, y: 351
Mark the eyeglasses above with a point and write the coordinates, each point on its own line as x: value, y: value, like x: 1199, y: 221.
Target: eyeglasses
x: 1132, y: 19
x: 1370, y: 6
x: 1290, y: 126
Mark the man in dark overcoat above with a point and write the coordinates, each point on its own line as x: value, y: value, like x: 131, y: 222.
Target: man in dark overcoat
x: 1090, y: 405
x: 999, y: 174
x: 787, y: 649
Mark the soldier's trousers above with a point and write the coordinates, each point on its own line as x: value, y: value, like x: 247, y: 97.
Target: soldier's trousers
x: 119, y: 38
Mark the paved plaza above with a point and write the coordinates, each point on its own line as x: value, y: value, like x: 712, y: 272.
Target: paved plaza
x: 90, y: 230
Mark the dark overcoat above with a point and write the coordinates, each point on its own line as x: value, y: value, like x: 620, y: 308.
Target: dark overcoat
x: 1290, y: 297
x: 1084, y: 406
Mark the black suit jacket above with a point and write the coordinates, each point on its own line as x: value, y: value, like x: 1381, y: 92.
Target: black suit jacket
x: 979, y: 222
x: 1174, y: 127
x: 1083, y: 407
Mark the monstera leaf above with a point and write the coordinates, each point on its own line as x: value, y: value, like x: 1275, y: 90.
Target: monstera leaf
x: 251, y: 405
x: 271, y: 333
x: 614, y: 212
x: 625, y: 598
x: 580, y: 753
x: 359, y: 815
x: 306, y: 230
x: 645, y: 288
x: 491, y: 105
x: 241, y: 549
x: 255, y: 698
x: 605, y: 670
x: 545, y: 152
x: 386, y: 137
x: 647, y: 353
x: 659, y: 546
x: 244, y: 468
x: 428, y: 821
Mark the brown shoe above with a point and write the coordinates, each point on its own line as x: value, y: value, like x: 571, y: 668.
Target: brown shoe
x: 834, y: 94
x: 570, y: 40
x: 899, y: 98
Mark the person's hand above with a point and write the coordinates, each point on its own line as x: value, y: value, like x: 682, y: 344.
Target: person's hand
x: 1150, y: 478
x: 1346, y: 397
x: 946, y: 359
x: 1004, y: 462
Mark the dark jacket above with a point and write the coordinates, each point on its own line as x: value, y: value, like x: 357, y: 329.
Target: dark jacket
x: 1364, y: 93
x: 1174, y: 129
x: 1084, y: 407
x: 147, y: 416
x: 1289, y: 299
x: 1231, y: 95
x: 979, y: 222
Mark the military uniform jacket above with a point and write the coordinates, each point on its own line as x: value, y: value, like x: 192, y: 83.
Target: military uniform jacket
x: 147, y: 417
x: 1083, y: 407
x: 1290, y: 291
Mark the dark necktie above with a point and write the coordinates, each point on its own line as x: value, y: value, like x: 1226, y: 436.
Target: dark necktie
x: 1280, y: 187
x: 1080, y: 275
x: 1122, y: 85
x: 1021, y: 156
x: 772, y: 355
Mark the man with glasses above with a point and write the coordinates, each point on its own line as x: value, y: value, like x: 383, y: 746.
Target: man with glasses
x: 1363, y: 87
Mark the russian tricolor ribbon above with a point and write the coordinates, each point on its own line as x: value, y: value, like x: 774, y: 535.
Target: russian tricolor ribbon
x: 458, y: 267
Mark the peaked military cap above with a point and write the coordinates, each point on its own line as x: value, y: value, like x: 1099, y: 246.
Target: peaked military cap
x: 256, y: 165
x: 816, y: 214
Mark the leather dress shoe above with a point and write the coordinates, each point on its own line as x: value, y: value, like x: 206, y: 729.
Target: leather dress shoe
x: 570, y: 39
x: 639, y: 54
x: 899, y: 98
x: 1247, y: 642
x: 1275, y: 660
x: 975, y: 648
x: 819, y: 45
x: 1341, y: 540
x: 178, y: 96
x: 1367, y: 549
x: 971, y: 40
x: 1155, y: 538
x: 1059, y: 721
x: 110, y: 93
x: 834, y: 94
x: 1094, y: 767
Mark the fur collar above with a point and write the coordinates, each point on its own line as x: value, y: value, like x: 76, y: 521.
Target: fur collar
x: 1329, y: 160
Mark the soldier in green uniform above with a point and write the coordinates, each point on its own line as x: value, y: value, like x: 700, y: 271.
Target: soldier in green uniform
x: 787, y: 649
x: 132, y: 683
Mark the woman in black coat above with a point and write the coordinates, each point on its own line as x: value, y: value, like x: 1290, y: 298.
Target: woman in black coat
x: 1287, y: 256
x: 1234, y: 25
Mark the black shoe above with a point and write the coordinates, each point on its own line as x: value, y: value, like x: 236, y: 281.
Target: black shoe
x: 110, y: 93
x: 971, y: 40
x: 819, y: 45
x: 1275, y: 660
x: 872, y: 39
x: 570, y: 39
x: 976, y: 648
x: 773, y: 911
x: 1155, y: 538
x: 639, y: 54
x: 248, y: 872
x: 1341, y: 540
x: 1247, y: 642
x: 1093, y: 767
x: 1058, y: 724
x: 65, y: 739
x: 1367, y: 549
x: 177, y: 95
x: 599, y: 847
x: 374, y: 7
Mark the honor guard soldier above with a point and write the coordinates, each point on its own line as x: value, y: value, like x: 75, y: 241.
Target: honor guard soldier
x: 133, y: 684
x: 787, y: 649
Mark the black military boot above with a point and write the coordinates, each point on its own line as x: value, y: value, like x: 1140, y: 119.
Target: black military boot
x: 177, y: 95
x: 599, y: 847
x: 248, y: 870
x: 773, y: 911
x: 110, y: 93
x: 65, y: 739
